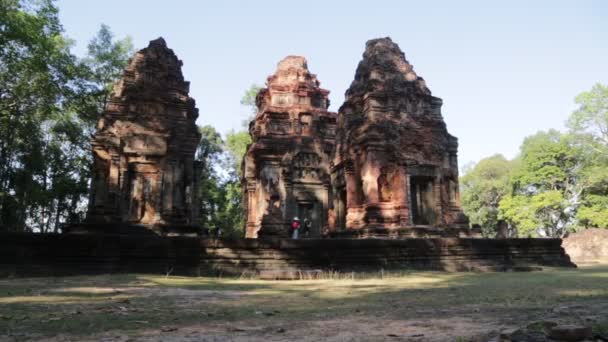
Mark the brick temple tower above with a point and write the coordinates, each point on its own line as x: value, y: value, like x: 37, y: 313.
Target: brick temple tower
x: 287, y: 167
x: 143, y: 151
x: 395, y: 164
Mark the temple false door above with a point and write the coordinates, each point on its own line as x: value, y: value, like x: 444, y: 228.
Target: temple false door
x: 143, y: 191
x: 423, y: 200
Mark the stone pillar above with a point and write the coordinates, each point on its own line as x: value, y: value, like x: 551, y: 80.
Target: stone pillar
x: 437, y: 207
x: 352, y: 190
x: 168, y: 188
x: 114, y: 185
x: 408, y: 193
x: 403, y: 199
x: 251, y: 228
x: 158, y: 200
x: 290, y: 201
x: 325, y: 211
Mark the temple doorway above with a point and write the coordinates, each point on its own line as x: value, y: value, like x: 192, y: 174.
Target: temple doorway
x: 422, y: 200
x: 311, y: 211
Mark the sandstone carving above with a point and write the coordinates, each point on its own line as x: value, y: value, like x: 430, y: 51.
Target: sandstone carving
x: 144, y: 169
x: 287, y: 167
x: 395, y: 164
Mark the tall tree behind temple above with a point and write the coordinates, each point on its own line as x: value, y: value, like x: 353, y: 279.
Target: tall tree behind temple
x: 220, y: 178
x: 45, y: 115
x: 248, y: 100
x: 545, y: 187
x: 589, y: 126
x: 105, y: 61
x: 235, y: 145
x: 36, y: 71
x: 211, y: 193
x: 482, y: 189
x: 97, y: 73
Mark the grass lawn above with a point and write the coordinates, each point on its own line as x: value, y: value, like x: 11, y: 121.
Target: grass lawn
x: 417, y: 306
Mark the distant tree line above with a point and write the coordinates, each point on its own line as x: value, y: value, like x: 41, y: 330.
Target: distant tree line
x: 557, y: 184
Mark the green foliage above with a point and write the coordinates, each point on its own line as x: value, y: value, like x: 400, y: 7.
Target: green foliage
x: 236, y: 146
x: 482, y: 188
x: 220, y: 183
x: 36, y: 75
x: 545, y: 186
x: 210, y: 191
x: 592, y: 114
x: 249, y: 100
x: 558, y: 183
x: 222, y: 197
x: 220, y: 193
x: 220, y: 188
x: 594, y: 211
x: 249, y: 97
x: 589, y: 124
x: 44, y: 118
x: 102, y: 66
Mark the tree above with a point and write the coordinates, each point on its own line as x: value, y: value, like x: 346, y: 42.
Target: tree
x: 105, y: 62
x: 250, y: 96
x: 37, y: 74
x: 211, y: 192
x: 591, y: 117
x: 546, y: 187
x: 588, y: 125
x: 45, y: 117
x: 236, y: 146
x: 483, y: 186
x: 225, y: 203
x: 249, y: 100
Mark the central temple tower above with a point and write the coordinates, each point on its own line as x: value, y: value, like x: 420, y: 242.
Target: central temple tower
x: 287, y: 167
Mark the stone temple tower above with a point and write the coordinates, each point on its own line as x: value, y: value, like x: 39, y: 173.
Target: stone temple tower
x: 143, y: 151
x: 287, y: 167
x: 395, y: 164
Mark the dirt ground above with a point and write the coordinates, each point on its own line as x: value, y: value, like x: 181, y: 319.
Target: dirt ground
x: 396, y: 306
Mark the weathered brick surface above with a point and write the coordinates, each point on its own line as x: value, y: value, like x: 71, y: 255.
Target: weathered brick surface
x: 286, y: 168
x: 395, y: 164
x: 143, y: 151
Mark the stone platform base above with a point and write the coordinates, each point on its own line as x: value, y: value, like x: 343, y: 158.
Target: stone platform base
x: 409, y: 232
x: 72, y: 254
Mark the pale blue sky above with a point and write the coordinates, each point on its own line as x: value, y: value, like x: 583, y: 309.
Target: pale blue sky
x: 504, y: 70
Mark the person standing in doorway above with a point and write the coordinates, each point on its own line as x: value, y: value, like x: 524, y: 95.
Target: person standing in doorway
x: 307, y: 226
x: 295, y: 227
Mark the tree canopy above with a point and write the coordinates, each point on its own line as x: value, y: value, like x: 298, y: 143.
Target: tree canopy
x: 557, y: 184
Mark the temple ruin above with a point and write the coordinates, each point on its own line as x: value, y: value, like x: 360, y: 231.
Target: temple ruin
x: 287, y: 167
x: 143, y: 151
x: 395, y: 164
